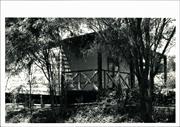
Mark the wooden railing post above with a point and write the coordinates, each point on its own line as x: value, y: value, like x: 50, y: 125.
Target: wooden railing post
x: 41, y: 101
x: 79, y: 82
x: 99, y: 71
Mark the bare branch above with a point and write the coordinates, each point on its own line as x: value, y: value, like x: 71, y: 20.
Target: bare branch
x: 159, y: 35
x: 164, y: 50
x: 169, y: 40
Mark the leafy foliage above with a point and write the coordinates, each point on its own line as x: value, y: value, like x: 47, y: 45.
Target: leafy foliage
x: 142, y: 42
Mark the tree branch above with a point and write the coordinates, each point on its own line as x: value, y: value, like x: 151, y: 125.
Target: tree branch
x: 164, y: 50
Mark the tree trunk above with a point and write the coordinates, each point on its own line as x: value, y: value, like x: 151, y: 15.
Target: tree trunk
x: 146, y: 92
x: 30, y: 85
x: 52, y: 102
x: 63, y: 95
x: 51, y: 87
x: 165, y: 70
x: 51, y: 92
x: 132, y: 76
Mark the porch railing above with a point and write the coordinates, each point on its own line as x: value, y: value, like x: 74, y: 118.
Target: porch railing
x: 88, y: 79
x: 122, y: 78
x: 81, y: 79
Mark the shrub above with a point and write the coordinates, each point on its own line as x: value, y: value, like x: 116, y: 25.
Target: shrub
x: 170, y: 83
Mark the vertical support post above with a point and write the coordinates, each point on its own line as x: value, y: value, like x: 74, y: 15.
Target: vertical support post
x: 41, y: 101
x: 119, y: 93
x: 62, y: 85
x: 132, y: 77
x: 113, y: 68
x: 79, y: 82
x: 165, y: 69
x: 108, y: 68
x: 104, y: 79
x: 99, y: 57
x: 113, y: 72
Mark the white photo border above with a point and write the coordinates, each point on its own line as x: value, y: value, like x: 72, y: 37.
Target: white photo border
x: 86, y: 9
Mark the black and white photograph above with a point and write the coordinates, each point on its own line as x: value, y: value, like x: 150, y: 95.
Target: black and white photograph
x: 90, y: 70
x: 97, y: 70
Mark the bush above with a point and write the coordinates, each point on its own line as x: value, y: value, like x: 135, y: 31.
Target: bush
x: 166, y: 98
x: 164, y: 114
x: 171, y: 80
x: 170, y: 83
x: 42, y: 116
x: 164, y: 94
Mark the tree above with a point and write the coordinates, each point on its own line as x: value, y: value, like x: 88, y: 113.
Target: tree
x: 34, y: 39
x: 31, y: 40
x: 16, y: 55
x: 142, y: 42
x: 146, y: 37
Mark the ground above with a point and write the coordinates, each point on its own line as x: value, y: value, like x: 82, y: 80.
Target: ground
x: 105, y: 111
